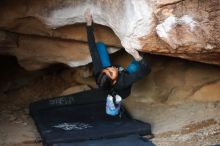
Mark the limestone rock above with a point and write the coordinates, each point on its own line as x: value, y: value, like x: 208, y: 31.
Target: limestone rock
x: 7, y: 41
x: 188, y: 29
x: 36, y: 52
x: 174, y: 82
x: 208, y: 93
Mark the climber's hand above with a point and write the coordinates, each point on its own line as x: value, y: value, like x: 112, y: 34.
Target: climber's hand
x: 135, y: 54
x: 88, y: 17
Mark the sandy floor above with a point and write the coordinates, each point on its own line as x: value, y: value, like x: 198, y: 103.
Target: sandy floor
x: 185, y: 124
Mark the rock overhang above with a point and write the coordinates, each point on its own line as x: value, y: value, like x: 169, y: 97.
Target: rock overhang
x: 159, y: 27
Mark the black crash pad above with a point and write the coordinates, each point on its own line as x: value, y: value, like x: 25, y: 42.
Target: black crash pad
x: 130, y: 140
x: 81, y: 117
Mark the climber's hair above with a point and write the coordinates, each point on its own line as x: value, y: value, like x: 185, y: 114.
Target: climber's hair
x: 104, y: 81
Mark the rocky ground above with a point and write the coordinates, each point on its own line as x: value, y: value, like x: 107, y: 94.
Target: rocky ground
x: 186, y: 122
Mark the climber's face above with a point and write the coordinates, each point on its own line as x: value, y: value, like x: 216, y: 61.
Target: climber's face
x: 112, y: 73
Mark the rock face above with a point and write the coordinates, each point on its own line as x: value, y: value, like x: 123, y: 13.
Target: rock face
x: 182, y: 28
x: 174, y: 81
x: 177, y: 81
x: 36, y: 52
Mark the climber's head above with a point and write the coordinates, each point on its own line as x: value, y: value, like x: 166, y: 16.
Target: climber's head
x: 108, y: 77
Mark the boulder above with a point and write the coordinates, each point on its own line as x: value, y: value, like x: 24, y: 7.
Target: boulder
x: 37, y: 52
x: 175, y: 81
x: 187, y: 29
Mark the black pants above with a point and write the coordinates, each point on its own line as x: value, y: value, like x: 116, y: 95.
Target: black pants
x: 96, y: 60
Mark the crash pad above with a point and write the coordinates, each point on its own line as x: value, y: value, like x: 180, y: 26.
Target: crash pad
x: 81, y: 117
x: 130, y: 140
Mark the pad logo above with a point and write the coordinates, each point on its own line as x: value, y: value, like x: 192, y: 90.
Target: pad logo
x: 73, y: 126
x: 62, y: 101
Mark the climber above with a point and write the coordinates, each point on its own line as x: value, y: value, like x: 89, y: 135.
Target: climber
x: 114, y: 79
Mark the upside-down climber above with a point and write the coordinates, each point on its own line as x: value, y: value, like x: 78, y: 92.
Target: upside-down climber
x: 113, y: 78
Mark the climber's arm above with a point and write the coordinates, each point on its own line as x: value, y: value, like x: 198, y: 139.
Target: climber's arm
x: 135, y: 71
x: 97, y: 66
